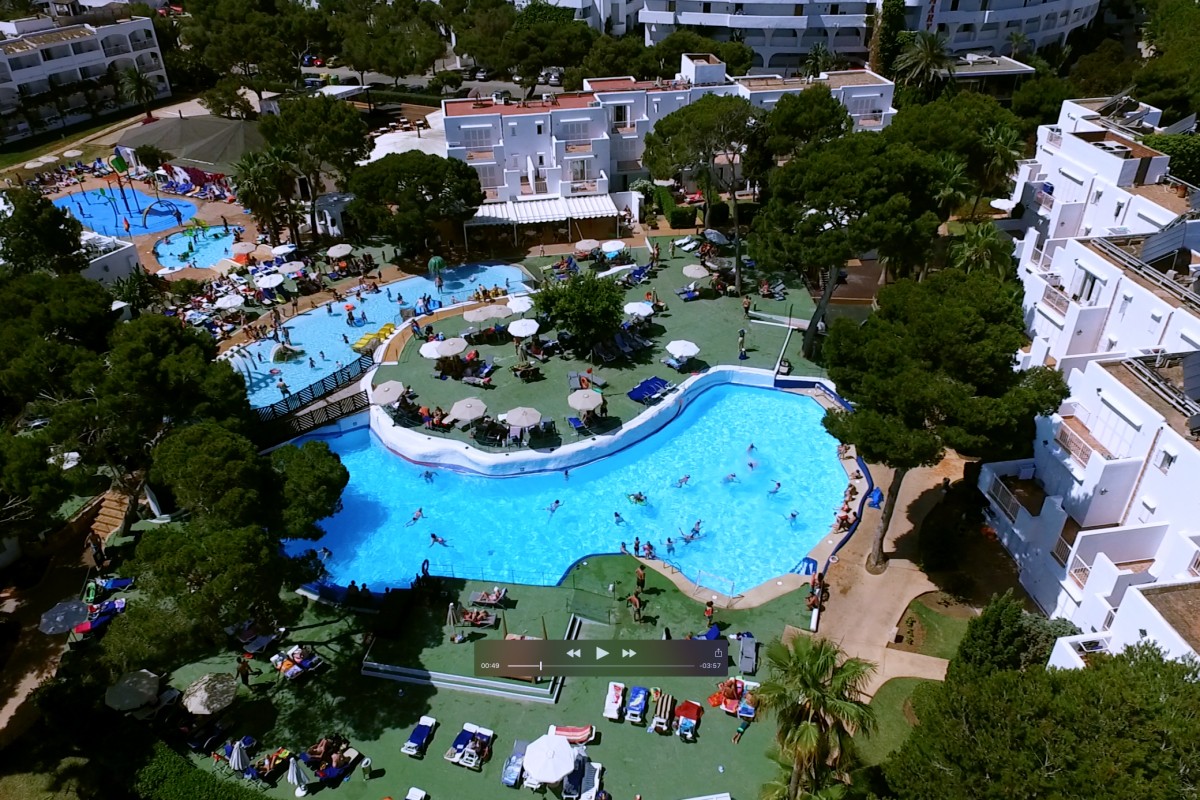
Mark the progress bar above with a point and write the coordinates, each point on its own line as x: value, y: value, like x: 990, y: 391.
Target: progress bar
x: 524, y: 658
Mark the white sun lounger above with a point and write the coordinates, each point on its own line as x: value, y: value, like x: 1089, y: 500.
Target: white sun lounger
x: 613, y: 700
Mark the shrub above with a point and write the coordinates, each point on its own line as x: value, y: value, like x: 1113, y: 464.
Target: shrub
x: 665, y: 201
x: 170, y: 776
x: 718, y: 215
x: 682, y: 217
x: 747, y: 212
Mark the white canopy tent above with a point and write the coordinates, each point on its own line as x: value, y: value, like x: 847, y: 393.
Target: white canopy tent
x: 536, y: 212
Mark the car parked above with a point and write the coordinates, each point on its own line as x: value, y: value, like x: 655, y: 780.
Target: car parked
x: 555, y: 78
x: 468, y: 73
x: 544, y: 76
x: 482, y: 74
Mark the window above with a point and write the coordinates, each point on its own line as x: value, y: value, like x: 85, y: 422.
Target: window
x: 1194, y: 567
x: 1088, y: 287
x: 954, y: 5
x: 706, y: 8
x: 1165, y: 460
x: 834, y: 9
x: 671, y: 6
x: 539, y: 129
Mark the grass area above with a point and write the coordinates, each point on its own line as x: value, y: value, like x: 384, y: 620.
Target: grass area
x: 66, y: 779
x: 710, y: 322
x: 377, y: 715
x: 893, y: 724
x: 942, y: 632
x: 57, y: 141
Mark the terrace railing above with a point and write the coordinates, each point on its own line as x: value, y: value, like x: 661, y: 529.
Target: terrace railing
x: 315, y: 391
x: 289, y: 427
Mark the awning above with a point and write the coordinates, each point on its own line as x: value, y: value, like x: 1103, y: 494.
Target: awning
x: 555, y: 209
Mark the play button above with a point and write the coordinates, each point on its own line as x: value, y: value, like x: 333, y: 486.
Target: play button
x: 600, y: 653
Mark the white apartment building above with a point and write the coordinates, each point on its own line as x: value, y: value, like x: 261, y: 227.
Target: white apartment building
x: 781, y: 34
x: 1102, y: 520
x: 560, y: 157
x: 40, y: 55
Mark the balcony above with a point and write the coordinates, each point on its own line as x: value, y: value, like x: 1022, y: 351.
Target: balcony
x: 479, y: 154
x: 1045, y: 201
x: 577, y: 145
x: 491, y: 194
x: 634, y: 165
x: 537, y: 187
x: 143, y: 44
x: 586, y: 185
x: 113, y: 52
x: 1074, y: 437
x: 1011, y: 494
x: 1056, y: 299
x: 1054, y: 138
x: 623, y: 128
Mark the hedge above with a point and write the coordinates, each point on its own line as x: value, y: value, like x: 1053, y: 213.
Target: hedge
x: 381, y: 96
x: 747, y: 211
x: 682, y: 217
x: 718, y: 216
x: 170, y: 776
x: 666, y: 201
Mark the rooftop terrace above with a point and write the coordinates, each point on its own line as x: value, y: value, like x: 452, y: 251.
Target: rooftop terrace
x: 1124, y: 252
x: 477, y: 106
x: 1158, y: 382
x: 1180, y: 606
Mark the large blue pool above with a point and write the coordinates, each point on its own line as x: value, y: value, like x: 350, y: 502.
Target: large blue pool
x: 498, y: 529
x: 320, y: 334
x: 106, y: 211
x: 194, y: 247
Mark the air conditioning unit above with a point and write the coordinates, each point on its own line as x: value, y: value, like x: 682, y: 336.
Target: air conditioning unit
x: 1101, y: 146
x: 1121, y: 150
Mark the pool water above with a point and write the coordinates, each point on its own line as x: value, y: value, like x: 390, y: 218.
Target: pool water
x: 207, y: 247
x: 105, y: 211
x: 499, y: 529
x: 320, y: 334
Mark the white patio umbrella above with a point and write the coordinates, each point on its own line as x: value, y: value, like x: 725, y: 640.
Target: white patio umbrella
x: 716, y: 237
x: 520, y: 304
x: 468, y: 409
x: 298, y: 777
x: 292, y: 266
x: 230, y: 301
x: 34, y: 165
x: 523, y: 327
x: 243, y: 248
x: 49, y: 158
x: 549, y: 759
x: 269, y: 281
x: 613, y: 246
x: 682, y: 348
x: 73, y: 154
x: 387, y: 392
x: 264, y: 252
x: 285, y: 249
x: 430, y: 350
x: 523, y: 417
x: 452, y: 347
x: 1003, y: 204
x: 132, y: 690
x: 238, y: 760
x: 585, y: 400
x: 586, y: 245
x: 695, y: 271
x: 210, y: 694
x: 339, y: 251
x: 639, y: 309
x: 484, y: 313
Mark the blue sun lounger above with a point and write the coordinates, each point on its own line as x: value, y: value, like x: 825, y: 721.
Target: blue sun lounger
x: 650, y: 390
x: 418, y: 740
x: 515, y: 765
x: 572, y: 785
x: 455, y: 751
x: 635, y: 709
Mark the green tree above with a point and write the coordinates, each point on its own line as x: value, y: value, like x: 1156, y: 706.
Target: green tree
x: 1184, y: 150
x: 953, y: 185
x: 983, y: 246
x: 226, y: 100
x: 817, y: 697
x: 531, y: 46
x: 325, y: 136
x: 587, y: 306
x: 449, y: 79
x: 310, y: 479
x: 32, y: 483
x: 137, y: 289
x: 667, y: 55
x: 213, y: 472
x: 38, y: 236
x: 266, y: 184
x: 886, y: 45
x: 403, y: 195
x: 1003, y: 147
x: 1007, y: 637
x: 624, y: 55
x: 1037, y: 100
x: 137, y: 87
x: 151, y: 156
x: 805, y: 118
x: 1104, y: 71
x: 933, y: 368
x: 819, y: 60
x: 1112, y: 729
x: 241, y: 38
x: 925, y: 63
x: 1017, y: 41
x: 697, y: 140
x: 482, y: 29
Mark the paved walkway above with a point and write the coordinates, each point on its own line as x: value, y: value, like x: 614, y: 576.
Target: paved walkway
x: 864, y: 609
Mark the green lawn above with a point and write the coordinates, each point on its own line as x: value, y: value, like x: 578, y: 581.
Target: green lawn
x: 942, y: 632
x: 377, y: 714
x: 893, y: 725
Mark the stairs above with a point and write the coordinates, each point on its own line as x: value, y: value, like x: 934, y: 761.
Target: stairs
x: 111, y: 515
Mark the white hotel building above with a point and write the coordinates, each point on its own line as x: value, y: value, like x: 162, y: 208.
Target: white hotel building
x: 1104, y: 520
x: 560, y: 158
x: 38, y: 54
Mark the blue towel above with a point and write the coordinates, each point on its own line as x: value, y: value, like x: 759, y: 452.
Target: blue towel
x: 875, y: 498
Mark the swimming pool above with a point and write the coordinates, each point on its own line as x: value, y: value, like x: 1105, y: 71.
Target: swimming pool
x: 106, y: 211
x: 498, y: 529
x: 320, y: 334
x: 194, y: 247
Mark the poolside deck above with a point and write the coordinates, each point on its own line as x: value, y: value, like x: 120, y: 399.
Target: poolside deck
x: 377, y: 715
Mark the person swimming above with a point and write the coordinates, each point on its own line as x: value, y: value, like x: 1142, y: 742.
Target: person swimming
x: 428, y: 475
x: 618, y: 520
x: 731, y: 478
x: 554, y: 507
x: 435, y: 539
x: 775, y: 490
x: 679, y: 484
x: 638, y: 497
x: 416, y: 517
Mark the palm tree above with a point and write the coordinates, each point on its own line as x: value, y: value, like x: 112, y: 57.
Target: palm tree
x: 925, y: 62
x: 138, y: 289
x: 1004, y: 147
x: 819, y: 60
x: 136, y: 87
x: 266, y: 184
x: 816, y: 694
x: 984, y: 247
x: 1017, y: 40
x: 954, y: 185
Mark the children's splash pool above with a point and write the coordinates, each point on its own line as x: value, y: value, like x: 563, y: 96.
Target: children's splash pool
x: 194, y: 247
x: 501, y: 529
x: 107, y: 210
x: 325, y: 338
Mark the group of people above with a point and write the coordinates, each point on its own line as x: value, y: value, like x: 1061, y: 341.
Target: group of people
x: 329, y: 751
x: 483, y: 294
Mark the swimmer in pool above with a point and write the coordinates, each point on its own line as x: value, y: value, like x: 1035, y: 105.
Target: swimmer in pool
x: 416, y: 517
x: 638, y: 498
x: 775, y: 490
x: 428, y: 475
x: 696, y: 527
x: 679, y: 484
x: 311, y: 364
x: 618, y: 520
x: 731, y: 478
x: 435, y: 539
x: 792, y: 517
x: 554, y: 507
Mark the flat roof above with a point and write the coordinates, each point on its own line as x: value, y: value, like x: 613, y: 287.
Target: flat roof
x: 1130, y: 263
x: 1179, y: 605
x: 1139, y: 150
x: 1162, y: 194
x: 515, y: 108
x: 989, y: 66
x: 834, y: 80
x: 1152, y: 380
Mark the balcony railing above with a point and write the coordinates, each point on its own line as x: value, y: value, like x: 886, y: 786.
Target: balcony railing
x: 1054, y: 138
x: 113, y: 52
x: 1045, y: 200
x: 1062, y: 551
x: 577, y: 145
x: 478, y: 153
x: 1004, y: 499
x: 623, y: 127
x: 1056, y: 300
x: 1076, y: 442
x: 1079, y: 572
x: 143, y: 44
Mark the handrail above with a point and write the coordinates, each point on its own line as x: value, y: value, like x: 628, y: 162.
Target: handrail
x: 290, y: 427
x: 315, y: 391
